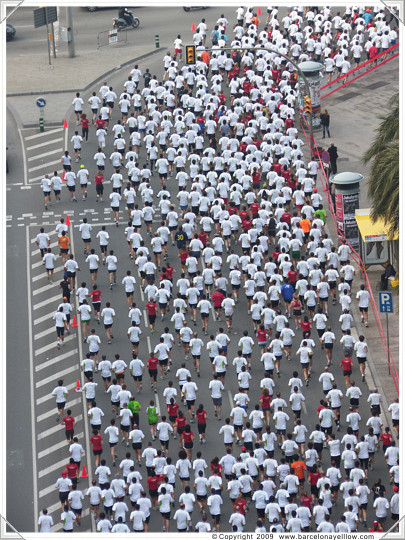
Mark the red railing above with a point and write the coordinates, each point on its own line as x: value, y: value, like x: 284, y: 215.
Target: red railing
x: 355, y: 256
x: 357, y: 68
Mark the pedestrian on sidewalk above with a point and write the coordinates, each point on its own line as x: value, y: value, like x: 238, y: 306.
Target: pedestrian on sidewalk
x: 325, y: 119
x: 333, y: 155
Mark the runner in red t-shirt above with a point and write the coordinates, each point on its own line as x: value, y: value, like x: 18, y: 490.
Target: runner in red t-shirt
x: 203, y: 237
x: 188, y: 441
x: 152, y: 364
x: 97, y: 442
x: 262, y: 336
x: 254, y: 209
x: 386, y: 438
x: 347, y: 366
x: 201, y: 416
x: 85, y: 127
x: 69, y: 423
x: 306, y: 328
x: 240, y: 505
x: 96, y: 298
x: 306, y: 500
x: 151, y: 308
x: 172, y: 410
x: 217, y: 298
x: 153, y: 483
x: 265, y: 400
x: 244, y: 214
x: 181, y: 422
x: 99, y: 179
x: 313, y: 477
x: 72, y: 471
x: 292, y: 277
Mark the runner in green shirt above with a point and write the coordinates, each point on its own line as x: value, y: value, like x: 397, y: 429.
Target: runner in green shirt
x: 134, y: 406
x: 152, y: 413
x: 321, y: 213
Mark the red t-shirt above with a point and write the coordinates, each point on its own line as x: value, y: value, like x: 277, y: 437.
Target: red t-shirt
x: 292, y: 276
x: 232, y: 210
x: 181, y: 421
x: 151, y: 307
x: 346, y: 364
x: 68, y: 421
x: 72, y: 469
x: 172, y: 409
x: 152, y: 482
x: 152, y: 362
x: 247, y: 224
x: 386, y: 438
x: 265, y: 400
x: 277, y: 167
x: 318, y: 410
x: 244, y: 215
x: 100, y: 124
x: 183, y: 256
x: 286, y: 217
x: 289, y: 123
x: 96, y: 441
x: 99, y: 179
x: 262, y: 336
x: 313, y: 478
x: 84, y: 122
x: 188, y: 437
x: 306, y: 326
x: 254, y: 208
x: 169, y: 272
x: 201, y: 417
x: 256, y: 180
x: 217, y: 298
x: 95, y: 296
x: 240, y: 507
x: 307, y: 501
x: 203, y: 238
x: 276, y: 255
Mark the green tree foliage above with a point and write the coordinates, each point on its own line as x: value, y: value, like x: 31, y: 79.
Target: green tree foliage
x: 383, y: 154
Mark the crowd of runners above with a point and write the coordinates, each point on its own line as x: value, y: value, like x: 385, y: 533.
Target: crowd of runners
x: 248, y: 226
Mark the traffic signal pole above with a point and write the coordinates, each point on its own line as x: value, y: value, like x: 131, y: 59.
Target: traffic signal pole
x: 307, y: 89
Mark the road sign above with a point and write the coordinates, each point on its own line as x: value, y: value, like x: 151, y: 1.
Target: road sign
x: 45, y: 15
x: 386, y: 304
x: 325, y: 156
x: 40, y: 102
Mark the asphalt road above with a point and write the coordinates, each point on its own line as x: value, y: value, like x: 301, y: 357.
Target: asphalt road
x: 21, y: 465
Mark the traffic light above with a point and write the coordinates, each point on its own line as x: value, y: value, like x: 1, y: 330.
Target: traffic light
x: 308, y: 105
x: 190, y: 54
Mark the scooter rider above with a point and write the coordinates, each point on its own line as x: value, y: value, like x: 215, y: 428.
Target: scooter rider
x: 124, y: 13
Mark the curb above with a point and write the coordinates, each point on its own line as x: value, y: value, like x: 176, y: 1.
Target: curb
x: 92, y: 83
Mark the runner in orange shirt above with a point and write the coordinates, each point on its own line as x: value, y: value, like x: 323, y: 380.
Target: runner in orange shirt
x: 305, y: 225
x: 64, y: 244
x: 299, y: 469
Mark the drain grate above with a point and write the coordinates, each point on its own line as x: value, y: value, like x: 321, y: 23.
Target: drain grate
x: 375, y: 85
x: 349, y: 95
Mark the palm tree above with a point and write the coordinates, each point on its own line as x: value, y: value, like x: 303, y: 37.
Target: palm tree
x: 383, y: 184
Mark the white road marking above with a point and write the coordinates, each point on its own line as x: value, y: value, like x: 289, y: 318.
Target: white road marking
x: 55, y: 360
x: 44, y: 318
x: 44, y: 333
x: 50, y: 413
x: 31, y: 362
x: 45, y: 434
x: 145, y: 318
x: 54, y: 467
x: 55, y: 377
x: 31, y: 180
x: 25, y: 182
x: 45, y: 288
x: 26, y: 187
x: 37, y: 135
x: 51, y: 245
x: 47, y: 302
x: 39, y: 156
x: 46, y: 165
x: 43, y: 276
x: 47, y: 491
x: 57, y: 446
x: 43, y: 399
x: 42, y: 144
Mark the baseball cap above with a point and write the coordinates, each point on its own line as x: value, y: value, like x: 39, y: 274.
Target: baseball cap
x: 64, y: 473
x: 243, y: 448
x: 395, y: 488
x: 64, y: 298
x: 82, y: 166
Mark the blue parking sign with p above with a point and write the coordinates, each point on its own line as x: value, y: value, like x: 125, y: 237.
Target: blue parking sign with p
x: 386, y: 305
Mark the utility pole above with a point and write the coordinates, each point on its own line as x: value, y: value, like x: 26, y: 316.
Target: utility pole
x: 69, y: 24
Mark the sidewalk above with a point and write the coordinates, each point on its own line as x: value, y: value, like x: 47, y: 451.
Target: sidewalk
x: 354, y: 112
x: 58, y: 83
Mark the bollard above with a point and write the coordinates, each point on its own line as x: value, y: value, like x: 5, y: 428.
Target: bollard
x: 157, y: 41
x: 41, y: 124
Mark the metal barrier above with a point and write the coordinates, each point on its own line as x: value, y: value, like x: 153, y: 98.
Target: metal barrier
x: 357, y: 259
x: 110, y: 37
